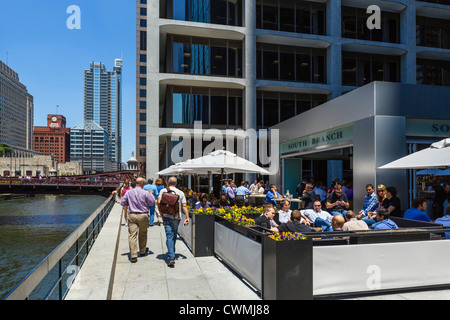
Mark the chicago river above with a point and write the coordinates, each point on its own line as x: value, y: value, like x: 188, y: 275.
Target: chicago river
x: 32, y: 227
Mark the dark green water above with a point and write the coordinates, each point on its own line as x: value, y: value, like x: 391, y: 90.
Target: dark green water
x: 31, y: 228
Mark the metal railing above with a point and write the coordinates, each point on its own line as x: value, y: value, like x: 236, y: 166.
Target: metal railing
x: 88, y: 230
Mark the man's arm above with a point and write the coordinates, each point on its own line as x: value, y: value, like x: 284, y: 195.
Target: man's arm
x: 186, y: 212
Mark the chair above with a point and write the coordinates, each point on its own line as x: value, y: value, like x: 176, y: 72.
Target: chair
x: 240, y: 200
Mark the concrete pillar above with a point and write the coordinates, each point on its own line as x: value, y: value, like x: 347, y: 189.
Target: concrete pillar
x: 250, y: 79
x: 408, y: 38
x: 152, y: 152
x: 334, y: 52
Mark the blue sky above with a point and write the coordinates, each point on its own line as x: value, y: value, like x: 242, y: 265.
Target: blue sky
x: 50, y: 58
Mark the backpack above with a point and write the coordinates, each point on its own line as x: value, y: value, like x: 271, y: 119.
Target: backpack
x: 169, y: 203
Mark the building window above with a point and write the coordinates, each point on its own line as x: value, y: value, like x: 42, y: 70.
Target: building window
x: 214, y: 107
x: 225, y: 12
x: 143, y: 40
x: 143, y: 93
x: 142, y: 105
x: 433, y: 32
x: 142, y: 152
x: 274, y: 107
x: 143, y: 11
x: 433, y: 72
x: 204, y: 56
x: 359, y: 69
x: 143, y: 70
x: 143, y: 128
x: 143, y: 58
x: 291, y: 16
x: 143, y: 140
x: 143, y: 23
x: 288, y: 63
x: 142, y: 117
x: 354, y: 26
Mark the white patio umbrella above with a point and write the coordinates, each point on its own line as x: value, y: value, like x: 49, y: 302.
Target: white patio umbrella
x: 217, y: 162
x: 436, y: 156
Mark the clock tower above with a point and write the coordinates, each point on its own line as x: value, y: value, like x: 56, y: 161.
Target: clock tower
x: 56, y: 121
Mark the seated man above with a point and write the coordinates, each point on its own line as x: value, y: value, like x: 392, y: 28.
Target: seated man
x: 294, y: 225
x: 353, y: 224
x: 445, y: 221
x: 337, y: 202
x: 370, y: 202
x: 418, y: 210
x: 194, y: 199
x: 318, y: 217
x: 272, y: 194
x: 242, y: 190
x: 385, y: 223
x: 337, y: 222
x: 266, y: 219
x: 308, y: 196
x: 203, y: 203
x: 284, y: 214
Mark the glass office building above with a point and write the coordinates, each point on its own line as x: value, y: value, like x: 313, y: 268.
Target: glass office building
x: 103, y: 104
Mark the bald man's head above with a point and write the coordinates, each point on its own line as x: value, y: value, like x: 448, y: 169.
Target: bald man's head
x: 140, y: 182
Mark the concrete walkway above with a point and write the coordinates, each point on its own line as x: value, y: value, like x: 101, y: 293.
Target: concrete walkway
x: 204, y: 278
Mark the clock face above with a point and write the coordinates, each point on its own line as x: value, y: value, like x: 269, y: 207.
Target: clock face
x: 54, y: 119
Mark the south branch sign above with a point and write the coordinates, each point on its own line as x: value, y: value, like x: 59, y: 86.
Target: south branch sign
x: 321, y: 139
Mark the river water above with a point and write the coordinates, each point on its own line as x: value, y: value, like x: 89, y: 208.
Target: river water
x: 32, y: 227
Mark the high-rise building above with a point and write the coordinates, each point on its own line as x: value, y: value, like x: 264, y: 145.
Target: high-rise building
x: 251, y: 64
x: 54, y: 138
x: 90, y: 146
x: 16, y: 110
x: 103, y: 103
x: 141, y: 83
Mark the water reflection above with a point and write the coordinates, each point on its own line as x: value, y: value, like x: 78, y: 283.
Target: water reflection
x: 30, y: 228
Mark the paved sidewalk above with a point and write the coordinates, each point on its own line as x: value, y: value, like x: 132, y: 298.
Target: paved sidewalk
x: 204, y: 278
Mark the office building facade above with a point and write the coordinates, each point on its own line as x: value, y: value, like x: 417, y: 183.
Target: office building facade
x: 90, y: 146
x: 54, y: 138
x: 103, y: 103
x: 16, y: 110
x: 253, y: 64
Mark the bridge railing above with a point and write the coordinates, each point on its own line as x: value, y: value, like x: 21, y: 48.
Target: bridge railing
x: 81, y: 240
x: 61, y: 181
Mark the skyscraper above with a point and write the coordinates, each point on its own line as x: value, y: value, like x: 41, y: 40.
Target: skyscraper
x: 103, y: 103
x: 16, y: 110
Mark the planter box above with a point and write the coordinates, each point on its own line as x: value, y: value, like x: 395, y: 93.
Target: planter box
x: 203, y: 235
x: 199, y: 234
x: 287, y: 269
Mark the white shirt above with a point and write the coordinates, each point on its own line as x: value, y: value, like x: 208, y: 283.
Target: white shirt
x: 284, y: 216
x: 313, y: 215
x: 181, y: 200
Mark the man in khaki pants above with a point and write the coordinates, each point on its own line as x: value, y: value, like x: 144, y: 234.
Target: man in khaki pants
x: 137, y: 200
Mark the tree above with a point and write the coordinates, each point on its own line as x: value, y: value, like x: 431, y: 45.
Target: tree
x: 4, y: 149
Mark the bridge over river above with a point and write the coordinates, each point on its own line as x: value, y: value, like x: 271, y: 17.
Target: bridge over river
x: 97, y: 184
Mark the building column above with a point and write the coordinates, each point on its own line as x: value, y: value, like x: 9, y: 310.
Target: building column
x: 334, y: 51
x: 408, y: 38
x: 152, y: 147
x: 251, y: 152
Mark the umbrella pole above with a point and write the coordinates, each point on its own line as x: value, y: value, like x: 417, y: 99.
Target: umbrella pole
x: 221, y: 180
x: 209, y: 182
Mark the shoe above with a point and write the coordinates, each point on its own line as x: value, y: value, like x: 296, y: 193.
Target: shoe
x: 171, y: 262
x: 133, y: 260
x: 145, y: 253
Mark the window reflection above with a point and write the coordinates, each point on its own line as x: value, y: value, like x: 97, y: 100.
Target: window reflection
x: 274, y: 107
x: 226, y: 12
x: 205, y: 56
x: 212, y: 106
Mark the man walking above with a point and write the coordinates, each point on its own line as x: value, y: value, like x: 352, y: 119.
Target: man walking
x: 137, y: 200
x: 170, y: 222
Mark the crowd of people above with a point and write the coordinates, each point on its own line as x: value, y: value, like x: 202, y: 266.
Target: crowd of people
x: 323, y: 210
